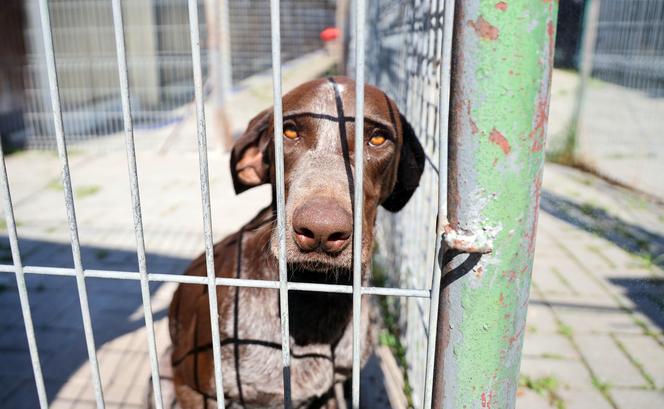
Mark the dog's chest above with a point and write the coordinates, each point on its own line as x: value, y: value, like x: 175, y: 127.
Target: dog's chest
x: 252, y: 363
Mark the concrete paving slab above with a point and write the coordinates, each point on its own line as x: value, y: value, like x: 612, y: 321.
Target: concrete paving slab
x: 540, y: 317
x: 528, y: 399
x: 549, y: 345
x: 583, y: 398
x: 608, y: 362
x: 646, y: 352
x: 568, y: 373
x: 635, y: 398
x: 593, y: 315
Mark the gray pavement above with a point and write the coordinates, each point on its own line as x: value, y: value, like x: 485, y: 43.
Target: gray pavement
x: 596, y: 313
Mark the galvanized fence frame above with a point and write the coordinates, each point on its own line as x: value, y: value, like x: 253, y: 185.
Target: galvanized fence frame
x: 448, y: 237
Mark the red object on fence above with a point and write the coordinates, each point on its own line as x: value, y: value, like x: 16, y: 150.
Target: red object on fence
x: 329, y: 34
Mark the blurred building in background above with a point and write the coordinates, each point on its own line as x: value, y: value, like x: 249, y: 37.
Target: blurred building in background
x: 568, y: 33
x: 159, y: 60
x: 12, y: 66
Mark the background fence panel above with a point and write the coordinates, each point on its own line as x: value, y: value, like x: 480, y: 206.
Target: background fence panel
x: 621, y: 110
x: 404, y: 54
x: 158, y: 56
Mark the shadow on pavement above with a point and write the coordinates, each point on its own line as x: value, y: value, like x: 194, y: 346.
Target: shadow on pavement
x: 647, y: 295
x: 115, y: 308
x: 629, y: 237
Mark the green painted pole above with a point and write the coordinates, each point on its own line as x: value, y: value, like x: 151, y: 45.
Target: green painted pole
x: 501, y: 73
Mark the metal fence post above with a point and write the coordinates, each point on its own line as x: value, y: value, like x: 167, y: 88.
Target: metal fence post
x: 502, y: 59
x: 588, y: 40
x: 220, y: 65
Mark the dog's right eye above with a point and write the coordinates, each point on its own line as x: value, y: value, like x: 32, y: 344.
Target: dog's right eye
x: 290, y: 131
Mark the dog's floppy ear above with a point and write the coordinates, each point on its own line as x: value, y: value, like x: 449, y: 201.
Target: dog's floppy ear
x: 409, y: 171
x: 250, y: 163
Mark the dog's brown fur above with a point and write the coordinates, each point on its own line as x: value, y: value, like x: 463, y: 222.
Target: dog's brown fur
x: 318, y: 164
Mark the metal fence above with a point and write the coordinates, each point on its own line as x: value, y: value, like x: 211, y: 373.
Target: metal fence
x: 158, y: 58
x: 404, y: 53
x: 497, y: 124
x: 410, y: 56
x: 80, y: 273
x: 623, y: 66
x: 630, y: 45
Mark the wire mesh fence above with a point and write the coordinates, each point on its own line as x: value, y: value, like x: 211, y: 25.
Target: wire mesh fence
x: 404, y: 46
x: 622, y: 107
x: 301, y: 24
x: 423, y: 73
x: 629, y: 50
x: 158, y: 58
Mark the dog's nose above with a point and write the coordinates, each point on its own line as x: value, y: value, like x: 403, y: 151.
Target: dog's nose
x: 322, y: 222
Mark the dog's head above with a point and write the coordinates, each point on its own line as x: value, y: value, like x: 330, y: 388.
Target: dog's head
x: 319, y: 140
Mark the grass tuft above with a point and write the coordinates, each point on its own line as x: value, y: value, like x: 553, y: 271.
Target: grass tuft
x: 565, y: 154
x: 602, y: 387
x: 85, y: 191
x: 565, y: 330
x: 546, y: 386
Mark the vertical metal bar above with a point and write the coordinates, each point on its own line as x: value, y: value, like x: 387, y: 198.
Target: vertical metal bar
x: 341, y: 43
x: 20, y: 284
x: 588, y: 42
x: 118, y: 25
x: 484, y: 298
x: 358, y: 204
x: 225, y: 49
x: 443, y: 130
x: 219, y: 58
x: 281, y: 214
x: 352, y: 41
x: 205, y: 197
x: 69, y: 200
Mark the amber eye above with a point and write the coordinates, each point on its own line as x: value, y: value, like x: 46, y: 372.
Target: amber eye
x: 290, y: 131
x: 377, y: 139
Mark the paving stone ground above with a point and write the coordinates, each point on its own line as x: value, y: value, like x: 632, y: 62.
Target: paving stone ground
x: 594, y: 337
x: 594, y: 334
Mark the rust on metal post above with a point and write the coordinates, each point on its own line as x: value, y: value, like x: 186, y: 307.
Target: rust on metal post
x: 501, y: 72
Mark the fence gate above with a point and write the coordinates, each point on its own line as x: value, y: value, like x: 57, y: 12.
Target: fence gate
x: 473, y: 77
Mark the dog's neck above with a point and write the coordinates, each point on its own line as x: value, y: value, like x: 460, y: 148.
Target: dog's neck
x: 316, y: 317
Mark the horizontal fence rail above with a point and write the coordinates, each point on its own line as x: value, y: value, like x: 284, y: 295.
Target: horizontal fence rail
x: 231, y: 282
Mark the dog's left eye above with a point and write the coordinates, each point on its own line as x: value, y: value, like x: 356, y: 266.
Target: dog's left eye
x: 377, y: 139
x: 290, y: 131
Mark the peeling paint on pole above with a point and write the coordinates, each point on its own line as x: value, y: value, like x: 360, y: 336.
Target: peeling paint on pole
x: 503, y: 52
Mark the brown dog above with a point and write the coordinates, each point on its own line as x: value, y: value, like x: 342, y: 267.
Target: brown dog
x: 318, y: 162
